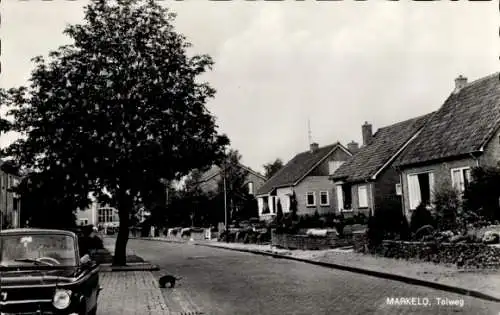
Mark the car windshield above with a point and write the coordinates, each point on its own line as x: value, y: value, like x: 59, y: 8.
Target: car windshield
x: 37, y: 249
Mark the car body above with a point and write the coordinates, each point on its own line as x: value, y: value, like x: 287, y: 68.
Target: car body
x: 41, y: 272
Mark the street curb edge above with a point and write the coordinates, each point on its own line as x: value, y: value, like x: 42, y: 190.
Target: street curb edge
x: 379, y: 274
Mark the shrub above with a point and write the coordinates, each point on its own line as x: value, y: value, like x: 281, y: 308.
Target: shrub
x: 421, y: 217
x: 375, y: 231
x: 483, y: 193
x: 360, y: 218
x: 447, y: 206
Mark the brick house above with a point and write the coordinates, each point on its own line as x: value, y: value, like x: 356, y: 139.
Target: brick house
x: 367, y: 182
x: 463, y: 133
x: 10, y: 202
x: 210, y: 179
x: 306, y: 175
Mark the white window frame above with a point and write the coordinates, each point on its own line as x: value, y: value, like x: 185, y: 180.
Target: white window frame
x: 416, y: 201
x: 307, y: 199
x: 461, y: 170
x: 366, y: 204
x: 327, y: 198
x: 250, y: 188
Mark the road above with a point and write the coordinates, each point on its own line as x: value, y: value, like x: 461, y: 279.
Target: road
x: 218, y: 281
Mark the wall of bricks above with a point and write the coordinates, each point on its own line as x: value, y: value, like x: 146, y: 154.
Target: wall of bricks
x: 305, y: 242
x: 385, y: 189
x: 491, y: 154
x: 315, y: 184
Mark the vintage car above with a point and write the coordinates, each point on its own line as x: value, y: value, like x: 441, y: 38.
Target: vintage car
x: 41, y: 272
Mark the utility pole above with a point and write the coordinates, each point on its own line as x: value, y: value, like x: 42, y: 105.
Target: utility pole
x: 225, y: 197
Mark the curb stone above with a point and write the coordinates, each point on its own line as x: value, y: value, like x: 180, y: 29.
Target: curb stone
x: 129, y: 267
x: 379, y: 274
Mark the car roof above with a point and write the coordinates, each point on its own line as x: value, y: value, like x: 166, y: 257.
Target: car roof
x: 36, y: 231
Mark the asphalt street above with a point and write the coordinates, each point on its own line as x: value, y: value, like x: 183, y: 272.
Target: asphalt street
x: 218, y: 281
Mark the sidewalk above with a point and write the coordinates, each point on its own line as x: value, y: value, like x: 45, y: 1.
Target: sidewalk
x: 131, y: 293
x: 480, y: 284
x: 109, y: 244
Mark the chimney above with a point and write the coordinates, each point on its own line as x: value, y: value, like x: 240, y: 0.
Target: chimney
x: 366, y: 130
x: 460, y: 82
x: 314, y: 147
x: 353, y: 147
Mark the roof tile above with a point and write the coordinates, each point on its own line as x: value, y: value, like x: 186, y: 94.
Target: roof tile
x: 462, y: 125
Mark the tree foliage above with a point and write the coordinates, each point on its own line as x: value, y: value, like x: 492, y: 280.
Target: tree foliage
x: 46, y: 202
x: 120, y: 108
x: 273, y: 167
x: 237, y: 194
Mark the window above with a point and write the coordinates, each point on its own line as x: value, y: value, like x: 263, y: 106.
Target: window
x: 460, y: 178
x: 420, y: 189
x: 362, y: 196
x: 333, y: 166
x: 344, y: 197
x: 250, y: 188
x: 323, y: 198
x: 273, y: 204
x: 265, y: 205
x: 311, y: 199
x: 399, y: 191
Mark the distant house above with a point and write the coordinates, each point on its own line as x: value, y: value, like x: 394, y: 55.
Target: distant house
x: 306, y: 175
x: 210, y: 179
x: 10, y: 202
x: 367, y: 181
x: 463, y: 133
x: 98, y: 215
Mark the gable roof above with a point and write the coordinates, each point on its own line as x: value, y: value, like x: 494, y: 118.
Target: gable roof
x: 386, y: 144
x: 464, y: 124
x: 215, y: 170
x: 298, y: 168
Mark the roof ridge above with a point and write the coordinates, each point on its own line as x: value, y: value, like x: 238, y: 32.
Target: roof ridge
x: 482, y: 79
x: 407, y: 120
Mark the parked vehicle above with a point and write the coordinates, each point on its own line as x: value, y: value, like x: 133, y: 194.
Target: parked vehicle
x: 41, y: 272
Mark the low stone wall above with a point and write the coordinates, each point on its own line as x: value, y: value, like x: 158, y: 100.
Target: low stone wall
x: 305, y: 242
x: 359, y: 241
x: 462, y: 255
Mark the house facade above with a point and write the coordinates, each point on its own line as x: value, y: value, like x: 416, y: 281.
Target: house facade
x: 367, y: 182
x: 306, y: 175
x: 98, y: 215
x: 464, y: 133
x: 209, y: 181
x: 10, y: 202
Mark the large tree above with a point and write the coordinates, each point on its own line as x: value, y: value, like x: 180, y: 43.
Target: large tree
x: 120, y: 108
x: 273, y: 167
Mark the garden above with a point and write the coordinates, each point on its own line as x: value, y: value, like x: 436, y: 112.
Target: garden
x: 459, y: 229
x: 292, y: 231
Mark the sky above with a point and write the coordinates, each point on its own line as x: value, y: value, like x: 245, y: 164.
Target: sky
x: 281, y: 64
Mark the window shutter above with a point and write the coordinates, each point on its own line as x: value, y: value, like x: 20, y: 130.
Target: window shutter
x: 362, y: 196
x: 413, y: 191
x: 340, y: 197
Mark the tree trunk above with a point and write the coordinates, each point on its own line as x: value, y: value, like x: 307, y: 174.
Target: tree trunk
x: 124, y: 210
